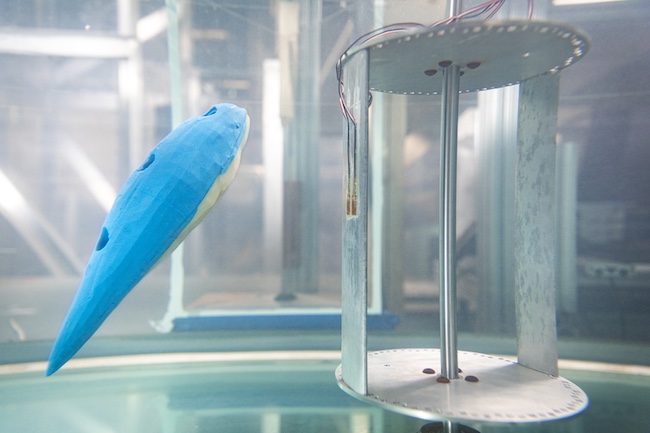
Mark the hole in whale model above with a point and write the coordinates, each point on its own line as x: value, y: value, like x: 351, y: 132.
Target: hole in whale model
x: 210, y: 112
x: 103, y: 239
x: 147, y: 162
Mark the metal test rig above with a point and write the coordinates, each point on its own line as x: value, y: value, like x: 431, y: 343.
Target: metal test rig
x: 446, y: 60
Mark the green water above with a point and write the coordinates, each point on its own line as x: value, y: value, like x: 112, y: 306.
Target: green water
x: 260, y: 396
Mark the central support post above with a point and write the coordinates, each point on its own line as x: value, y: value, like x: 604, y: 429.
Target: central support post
x: 447, y: 242
x: 447, y: 211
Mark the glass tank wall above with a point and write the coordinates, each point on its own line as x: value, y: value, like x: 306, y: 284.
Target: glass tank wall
x: 88, y: 88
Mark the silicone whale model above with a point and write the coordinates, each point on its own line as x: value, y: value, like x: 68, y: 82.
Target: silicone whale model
x: 160, y: 203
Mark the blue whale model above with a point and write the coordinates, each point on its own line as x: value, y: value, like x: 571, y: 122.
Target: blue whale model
x: 160, y: 203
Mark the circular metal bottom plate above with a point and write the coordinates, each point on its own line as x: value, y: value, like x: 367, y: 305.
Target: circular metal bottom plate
x: 490, y: 54
x: 505, y: 391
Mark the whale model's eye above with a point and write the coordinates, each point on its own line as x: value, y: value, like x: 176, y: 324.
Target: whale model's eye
x: 237, y: 126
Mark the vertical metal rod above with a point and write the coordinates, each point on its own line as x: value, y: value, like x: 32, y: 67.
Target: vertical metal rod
x: 450, y: 427
x: 447, y: 242
x: 175, y: 306
x: 453, y: 8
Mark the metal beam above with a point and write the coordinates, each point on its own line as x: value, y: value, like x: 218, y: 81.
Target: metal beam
x: 534, y: 229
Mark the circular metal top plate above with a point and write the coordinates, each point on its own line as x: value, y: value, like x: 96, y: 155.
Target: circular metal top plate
x: 505, y: 391
x: 490, y: 54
